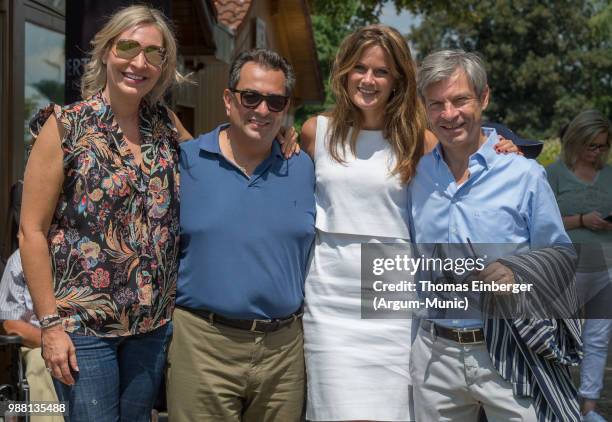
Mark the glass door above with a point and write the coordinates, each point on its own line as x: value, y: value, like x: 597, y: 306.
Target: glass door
x: 44, y: 70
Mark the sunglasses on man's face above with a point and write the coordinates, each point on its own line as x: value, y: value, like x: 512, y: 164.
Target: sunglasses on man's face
x: 128, y: 49
x: 251, y: 99
x: 598, y: 147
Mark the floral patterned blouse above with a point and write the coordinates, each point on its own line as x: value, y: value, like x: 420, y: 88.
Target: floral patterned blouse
x: 114, y: 236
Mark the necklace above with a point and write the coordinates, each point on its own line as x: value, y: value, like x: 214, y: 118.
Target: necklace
x: 231, y: 153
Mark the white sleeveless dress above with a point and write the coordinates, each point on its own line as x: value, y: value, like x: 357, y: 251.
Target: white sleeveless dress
x: 356, y: 368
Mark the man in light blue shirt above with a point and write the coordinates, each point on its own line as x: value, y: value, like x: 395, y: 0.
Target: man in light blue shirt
x: 464, y: 192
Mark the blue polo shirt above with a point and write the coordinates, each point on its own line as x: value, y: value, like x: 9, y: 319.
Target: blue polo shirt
x: 245, y: 241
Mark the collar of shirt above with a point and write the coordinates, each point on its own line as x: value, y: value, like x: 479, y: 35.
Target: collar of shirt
x: 486, y: 153
x: 210, y: 142
x: 483, y: 159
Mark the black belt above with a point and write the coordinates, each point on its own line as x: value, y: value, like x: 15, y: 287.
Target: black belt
x: 458, y: 335
x: 255, y: 325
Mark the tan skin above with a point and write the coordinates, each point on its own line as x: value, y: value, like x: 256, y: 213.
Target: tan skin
x: 586, y: 170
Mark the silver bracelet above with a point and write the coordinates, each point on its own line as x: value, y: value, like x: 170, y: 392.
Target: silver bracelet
x: 50, y: 321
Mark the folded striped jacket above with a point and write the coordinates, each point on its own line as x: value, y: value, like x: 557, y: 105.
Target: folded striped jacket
x: 534, y: 354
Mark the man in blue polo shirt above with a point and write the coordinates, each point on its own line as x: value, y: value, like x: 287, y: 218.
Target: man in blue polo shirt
x: 465, y: 193
x: 247, y: 225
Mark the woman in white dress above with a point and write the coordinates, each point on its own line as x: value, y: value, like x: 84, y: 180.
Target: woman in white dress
x: 365, y: 152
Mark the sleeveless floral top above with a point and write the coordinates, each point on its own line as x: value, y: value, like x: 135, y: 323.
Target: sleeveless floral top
x: 114, y: 236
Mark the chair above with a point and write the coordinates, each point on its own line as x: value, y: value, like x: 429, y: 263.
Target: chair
x: 13, y: 383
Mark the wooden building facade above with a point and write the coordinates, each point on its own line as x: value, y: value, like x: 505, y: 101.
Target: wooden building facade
x: 210, y: 33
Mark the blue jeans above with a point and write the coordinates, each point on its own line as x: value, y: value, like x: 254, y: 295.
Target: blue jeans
x: 118, y: 377
x: 596, y: 336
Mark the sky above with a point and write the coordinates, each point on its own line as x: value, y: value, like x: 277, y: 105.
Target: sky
x: 401, y: 22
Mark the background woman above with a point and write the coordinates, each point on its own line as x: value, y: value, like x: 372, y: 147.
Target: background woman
x: 582, y: 182
x: 100, y: 222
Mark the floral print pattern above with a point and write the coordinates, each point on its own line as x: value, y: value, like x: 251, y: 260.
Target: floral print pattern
x: 114, y: 237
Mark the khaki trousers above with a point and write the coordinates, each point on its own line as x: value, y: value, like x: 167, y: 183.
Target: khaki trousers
x: 39, y: 380
x: 219, y: 373
x: 452, y: 381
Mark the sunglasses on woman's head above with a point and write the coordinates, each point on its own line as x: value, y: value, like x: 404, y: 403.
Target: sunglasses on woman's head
x: 251, y: 99
x: 128, y: 49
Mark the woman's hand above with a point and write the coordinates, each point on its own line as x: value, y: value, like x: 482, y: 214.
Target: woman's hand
x: 288, y: 138
x: 505, y: 146
x: 594, y: 222
x: 59, y: 354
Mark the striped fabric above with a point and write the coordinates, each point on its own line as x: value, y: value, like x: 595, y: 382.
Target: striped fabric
x: 534, y: 355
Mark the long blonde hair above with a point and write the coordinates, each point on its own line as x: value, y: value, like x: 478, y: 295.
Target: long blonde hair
x: 94, y: 77
x: 581, y: 131
x: 404, y: 119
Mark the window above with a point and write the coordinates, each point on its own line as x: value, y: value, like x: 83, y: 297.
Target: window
x: 44, y: 70
x: 58, y: 6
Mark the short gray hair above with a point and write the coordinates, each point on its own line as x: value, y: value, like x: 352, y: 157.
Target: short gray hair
x: 442, y: 65
x: 266, y: 58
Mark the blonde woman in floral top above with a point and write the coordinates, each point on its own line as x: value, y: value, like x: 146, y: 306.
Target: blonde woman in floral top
x: 100, y: 223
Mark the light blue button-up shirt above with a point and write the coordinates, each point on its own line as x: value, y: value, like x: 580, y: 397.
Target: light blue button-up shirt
x: 506, y: 200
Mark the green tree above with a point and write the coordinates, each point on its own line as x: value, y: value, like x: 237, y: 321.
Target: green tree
x: 546, y: 60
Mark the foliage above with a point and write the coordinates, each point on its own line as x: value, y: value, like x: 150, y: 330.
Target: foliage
x: 601, y: 22
x: 550, y: 152
x: 29, y: 108
x: 51, y: 89
x: 546, y: 60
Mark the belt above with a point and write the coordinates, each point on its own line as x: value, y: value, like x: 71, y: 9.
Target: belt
x: 254, y: 325
x: 458, y: 335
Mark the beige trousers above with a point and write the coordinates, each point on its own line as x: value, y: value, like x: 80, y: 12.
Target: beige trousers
x: 39, y: 380
x: 218, y: 373
x: 452, y: 381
